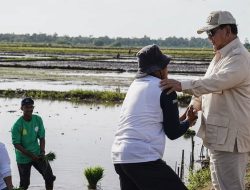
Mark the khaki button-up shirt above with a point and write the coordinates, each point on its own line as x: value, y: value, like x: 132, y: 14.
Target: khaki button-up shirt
x: 223, y: 95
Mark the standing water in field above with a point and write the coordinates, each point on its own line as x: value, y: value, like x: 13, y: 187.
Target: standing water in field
x: 81, y: 136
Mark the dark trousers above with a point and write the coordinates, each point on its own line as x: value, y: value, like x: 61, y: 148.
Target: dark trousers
x: 155, y: 175
x: 42, y: 167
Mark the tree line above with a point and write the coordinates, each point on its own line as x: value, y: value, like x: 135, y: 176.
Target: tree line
x: 105, y: 41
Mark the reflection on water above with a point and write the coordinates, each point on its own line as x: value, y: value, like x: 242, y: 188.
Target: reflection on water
x: 81, y: 136
x: 54, y: 85
x: 122, y: 81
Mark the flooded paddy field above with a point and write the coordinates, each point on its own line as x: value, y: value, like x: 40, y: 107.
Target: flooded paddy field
x: 81, y: 136
x: 102, y: 62
x: 65, y: 80
x: 121, y: 66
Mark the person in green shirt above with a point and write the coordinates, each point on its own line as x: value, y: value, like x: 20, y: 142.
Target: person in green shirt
x: 26, y: 132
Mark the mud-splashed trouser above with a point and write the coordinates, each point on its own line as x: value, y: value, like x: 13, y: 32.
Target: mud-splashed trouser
x: 42, y: 167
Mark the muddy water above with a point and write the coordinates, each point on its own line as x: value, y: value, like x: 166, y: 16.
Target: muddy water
x: 81, y: 136
x: 106, y: 81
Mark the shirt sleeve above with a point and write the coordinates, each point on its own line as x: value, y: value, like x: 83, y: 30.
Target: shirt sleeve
x: 196, y: 102
x: 231, y: 75
x: 16, y: 134
x: 172, y: 126
x: 41, y: 131
x: 5, y: 170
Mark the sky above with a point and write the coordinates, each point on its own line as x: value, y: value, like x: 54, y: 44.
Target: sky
x: 118, y: 18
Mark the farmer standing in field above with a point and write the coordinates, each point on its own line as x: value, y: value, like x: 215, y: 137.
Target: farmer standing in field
x: 223, y: 96
x: 147, y: 115
x: 26, y: 132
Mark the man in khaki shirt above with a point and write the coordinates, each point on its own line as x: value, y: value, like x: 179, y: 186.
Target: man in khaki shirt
x: 223, y: 96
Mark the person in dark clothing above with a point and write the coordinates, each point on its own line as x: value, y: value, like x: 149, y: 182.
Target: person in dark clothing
x: 147, y: 116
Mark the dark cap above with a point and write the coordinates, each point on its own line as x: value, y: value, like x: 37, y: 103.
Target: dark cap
x: 27, y: 101
x: 150, y: 59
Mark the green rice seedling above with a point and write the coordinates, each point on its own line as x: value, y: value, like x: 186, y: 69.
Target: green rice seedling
x: 189, y: 133
x: 93, y: 175
x: 51, y: 156
x: 17, y: 188
x: 199, y: 179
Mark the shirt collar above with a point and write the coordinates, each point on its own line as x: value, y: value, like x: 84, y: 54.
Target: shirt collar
x: 225, y: 50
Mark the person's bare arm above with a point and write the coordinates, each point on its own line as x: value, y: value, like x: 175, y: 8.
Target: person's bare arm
x: 25, y: 152
x: 42, y: 146
x: 8, y: 181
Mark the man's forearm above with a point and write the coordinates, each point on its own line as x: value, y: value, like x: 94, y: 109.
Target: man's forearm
x: 8, y: 181
x: 42, y: 145
x: 23, y: 150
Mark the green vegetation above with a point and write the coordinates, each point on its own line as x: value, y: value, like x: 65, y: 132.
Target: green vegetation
x: 86, y: 96
x: 51, y: 40
x: 73, y: 95
x: 51, y: 156
x: 189, y: 133
x: 184, y: 99
x: 52, y: 58
x: 19, y: 48
x: 93, y: 175
x: 199, y: 179
x: 248, y: 177
x: 46, y: 50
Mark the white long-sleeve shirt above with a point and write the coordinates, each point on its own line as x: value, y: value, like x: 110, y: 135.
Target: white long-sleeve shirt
x: 224, y: 98
x: 5, y: 170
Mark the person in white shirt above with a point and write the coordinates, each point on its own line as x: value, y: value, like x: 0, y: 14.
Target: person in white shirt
x: 5, y: 171
x: 147, y: 115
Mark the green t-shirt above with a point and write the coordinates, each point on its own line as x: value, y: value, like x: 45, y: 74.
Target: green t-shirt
x: 27, y: 134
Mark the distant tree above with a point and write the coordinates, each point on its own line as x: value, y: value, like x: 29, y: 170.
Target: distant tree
x: 49, y: 40
x: 98, y: 42
x: 116, y: 44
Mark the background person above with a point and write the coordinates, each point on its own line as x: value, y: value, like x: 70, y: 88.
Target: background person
x: 5, y: 171
x: 26, y: 132
x: 223, y: 96
x: 147, y: 115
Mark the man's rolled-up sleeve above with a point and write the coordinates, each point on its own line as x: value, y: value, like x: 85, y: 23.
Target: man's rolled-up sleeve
x: 230, y: 75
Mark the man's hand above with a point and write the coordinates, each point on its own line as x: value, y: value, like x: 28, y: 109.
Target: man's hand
x: 35, y: 158
x: 8, y: 182
x: 171, y: 85
x: 26, y: 152
x: 184, y: 115
x: 42, y: 152
x: 191, y: 115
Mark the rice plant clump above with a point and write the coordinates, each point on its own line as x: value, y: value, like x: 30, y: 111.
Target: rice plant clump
x: 199, y: 179
x: 93, y: 175
x: 51, y: 156
x: 17, y: 188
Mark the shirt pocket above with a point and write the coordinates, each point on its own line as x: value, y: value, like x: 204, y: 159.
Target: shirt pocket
x: 216, y: 129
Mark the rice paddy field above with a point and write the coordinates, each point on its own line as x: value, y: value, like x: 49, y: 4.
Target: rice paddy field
x: 78, y: 91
